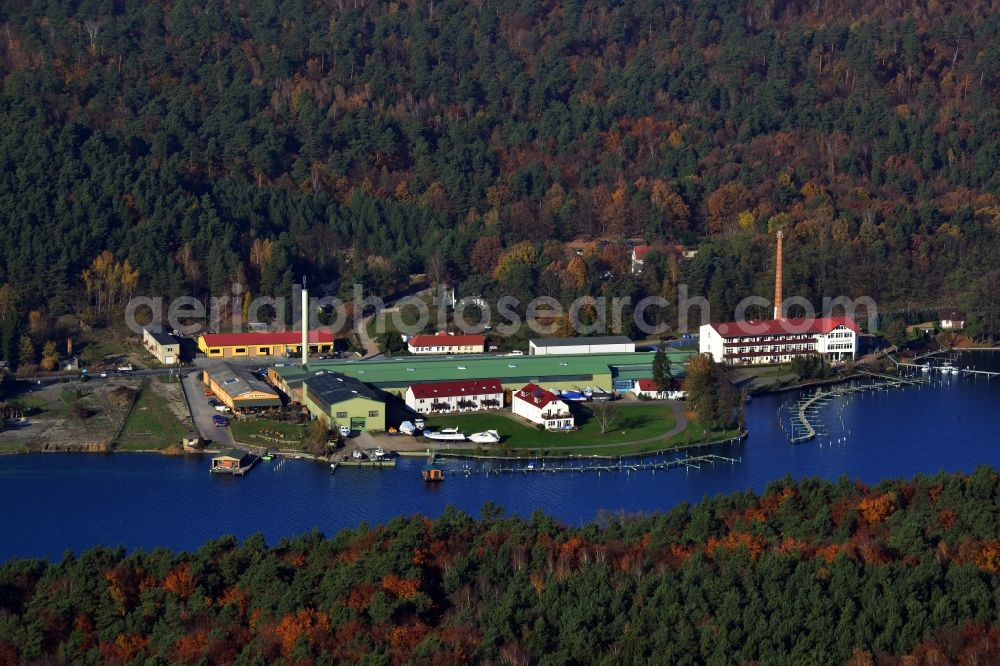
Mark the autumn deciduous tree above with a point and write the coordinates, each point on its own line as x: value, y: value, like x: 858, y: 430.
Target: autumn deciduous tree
x: 485, y: 254
x: 180, y: 581
x: 50, y: 357
x: 109, y: 282
x: 724, y: 206
x: 523, y: 253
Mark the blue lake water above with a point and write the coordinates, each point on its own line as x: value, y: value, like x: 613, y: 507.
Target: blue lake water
x: 55, y: 502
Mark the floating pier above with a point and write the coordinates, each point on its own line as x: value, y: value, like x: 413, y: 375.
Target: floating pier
x: 805, y: 424
x: 369, y: 458
x: 620, y: 465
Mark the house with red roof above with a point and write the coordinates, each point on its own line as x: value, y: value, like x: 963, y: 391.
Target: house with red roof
x: 447, y: 343
x: 458, y: 396
x: 261, y: 343
x: 779, y: 340
x: 639, y: 253
x: 542, y: 407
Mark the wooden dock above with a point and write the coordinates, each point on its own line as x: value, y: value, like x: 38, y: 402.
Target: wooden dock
x: 805, y: 424
x: 620, y: 465
x: 349, y: 462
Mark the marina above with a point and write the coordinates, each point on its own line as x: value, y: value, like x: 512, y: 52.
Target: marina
x: 85, y: 499
x: 804, y: 425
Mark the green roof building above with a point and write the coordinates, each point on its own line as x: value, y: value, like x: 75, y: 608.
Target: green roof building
x: 343, y: 401
x: 610, y: 371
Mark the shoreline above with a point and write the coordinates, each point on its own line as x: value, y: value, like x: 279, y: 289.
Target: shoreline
x: 740, y: 437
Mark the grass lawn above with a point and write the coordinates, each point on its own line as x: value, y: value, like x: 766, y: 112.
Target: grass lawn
x: 632, y: 423
x: 151, y: 425
x: 407, y: 316
x: 263, y: 432
x: 96, y: 347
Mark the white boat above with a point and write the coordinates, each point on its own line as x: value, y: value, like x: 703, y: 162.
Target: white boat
x: 947, y: 367
x: 418, y: 424
x: 378, y: 453
x: 445, y: 434
x: 358, y: 454
x: 588, y: 393
x: 955, y: 371
x: 485, y: 437
x: 407, y: 428
x: 925, y: 368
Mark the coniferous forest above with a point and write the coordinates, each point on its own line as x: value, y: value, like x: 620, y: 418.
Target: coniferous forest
x: 177, y: 148
x: 810, y: 572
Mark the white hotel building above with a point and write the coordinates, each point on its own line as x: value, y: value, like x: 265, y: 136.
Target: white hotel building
x: 779, y: 340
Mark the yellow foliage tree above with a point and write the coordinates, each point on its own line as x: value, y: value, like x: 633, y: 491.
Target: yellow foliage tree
x: 519, y: 253
x: 50, y: 357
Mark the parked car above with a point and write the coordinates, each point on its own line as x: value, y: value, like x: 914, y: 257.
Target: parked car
x: 220, y: 421
x: 345, y: 431
x: 213, y: 402
x: 221, y: 408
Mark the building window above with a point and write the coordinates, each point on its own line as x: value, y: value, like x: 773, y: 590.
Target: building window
x: 341, y: 415
x: 240, y: 350
x: 214, y: 351
x: 373, y: 413
x: 265, y: 351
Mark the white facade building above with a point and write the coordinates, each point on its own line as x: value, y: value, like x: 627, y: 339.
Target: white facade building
x: 446, y: 343
x: 459, y: 396
x: 952, y: 320
x: 595, y: 345
x: 779, y: 340
x: 542, y: 407
x: 639, y: 253
x: 163, y: 346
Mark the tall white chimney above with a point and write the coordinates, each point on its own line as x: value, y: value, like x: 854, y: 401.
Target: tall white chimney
x: 778, y: 309
x: 305, y: 323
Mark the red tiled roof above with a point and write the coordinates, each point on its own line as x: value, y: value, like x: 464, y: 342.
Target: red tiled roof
x: 535, y: 395
x: 816, y: 325
x: 264, y: 338
x: 647, y: 385
x: 445, y: 340
x: 459, y: 388
x: 639, y: 251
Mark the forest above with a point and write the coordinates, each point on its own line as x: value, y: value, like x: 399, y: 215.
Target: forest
x: 812, y: 572
x: 506, y: 147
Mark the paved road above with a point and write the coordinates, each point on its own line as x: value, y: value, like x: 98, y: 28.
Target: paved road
x: 203, y: 412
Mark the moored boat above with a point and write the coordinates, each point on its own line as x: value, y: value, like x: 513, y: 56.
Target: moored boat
x: 485, y: 437
x: 445, y: 434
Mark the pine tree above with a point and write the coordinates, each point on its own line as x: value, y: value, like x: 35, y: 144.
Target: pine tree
x: 26, y: 353
x: 662, y: 376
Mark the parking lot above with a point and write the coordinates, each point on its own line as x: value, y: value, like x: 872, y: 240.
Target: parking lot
x: 203, y: 412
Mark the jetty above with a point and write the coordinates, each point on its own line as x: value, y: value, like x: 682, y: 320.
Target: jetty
x: 362, y: 458
x: 582, y: 466
x: 805, y: 421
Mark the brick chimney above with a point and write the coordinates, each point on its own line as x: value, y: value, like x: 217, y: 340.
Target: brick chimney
x: 778, y: 314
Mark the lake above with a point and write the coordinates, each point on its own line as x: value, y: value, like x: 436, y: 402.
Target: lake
x: 55, y: 502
